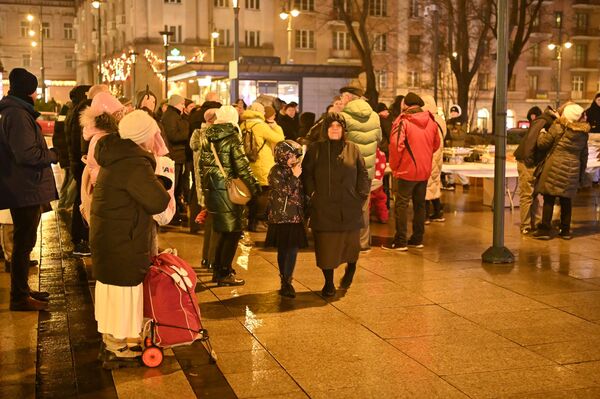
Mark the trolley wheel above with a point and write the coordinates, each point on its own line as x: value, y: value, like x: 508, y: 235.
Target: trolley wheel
x: 152, y: 356
x: 148, y: 342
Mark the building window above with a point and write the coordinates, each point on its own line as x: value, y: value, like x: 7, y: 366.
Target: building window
x: 46, y: 30
x: 26, y: 60
x: 535, y: 54
x: 414, y: 44
x: 172, y: 1
x: 221, y: 3
x: 223, y: 39
x: 577, y: 83
x: 378, y: 8
x: 253, y: 4
x: 24, y: 28
x: 304, y: 5
x: 69, y: 61
x: 483, y: 81
x: 381, y: 77
x: 414, y: 9
x: 341, y: 41
x: 252, y: 38
x: 533, y: 84
x: 68, y: 31
x: 305, y: 39
x: 414, y: 79
x: 177, y: 36
x: 581, y: 22
x: 580, y: 55
x: 380, y: 43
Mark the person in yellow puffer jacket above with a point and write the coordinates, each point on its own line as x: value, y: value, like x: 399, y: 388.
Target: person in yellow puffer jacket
x: 253, y: 119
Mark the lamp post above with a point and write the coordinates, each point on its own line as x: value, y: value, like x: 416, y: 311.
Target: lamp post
x: 96, y: 5
x: 559, y: 47
x: 166, y: 35
x: 213, y: 36
x: 133, y: 54
x: 31, y: 33
x: 289, y: 16
x: 234, y: 89
x: 433, y: 10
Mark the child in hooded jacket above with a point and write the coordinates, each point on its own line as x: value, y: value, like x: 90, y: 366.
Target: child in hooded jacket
x: 285, y: 213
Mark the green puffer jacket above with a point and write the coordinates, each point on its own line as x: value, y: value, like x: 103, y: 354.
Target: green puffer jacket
x: 364, y: 130
x: 565, y: 166
x: 227, y: 217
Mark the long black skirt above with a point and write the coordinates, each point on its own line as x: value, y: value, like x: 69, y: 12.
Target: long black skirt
x: 286, y: 235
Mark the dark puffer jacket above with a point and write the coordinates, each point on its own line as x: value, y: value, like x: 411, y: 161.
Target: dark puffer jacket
x: 227, y: 217
x: 566, y: 164
x: 336, y: 178
x: 26, y: 178
x: 177, y: 132
x: 125, y: 197
x: 286, y: 202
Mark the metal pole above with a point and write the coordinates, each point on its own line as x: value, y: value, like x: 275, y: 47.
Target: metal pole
x: 134, y: 83
x: 435, y: 52
x: 167, y: 68
x: 498, y: 253
x: 99, y: 46
x: 289, y: 39
x: 212, y: 48
x: 42, y: 69
x: 236, y: 53
x: 559, y: 70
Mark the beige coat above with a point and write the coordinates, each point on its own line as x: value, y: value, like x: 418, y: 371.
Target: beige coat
x: 434, y: 184
x: 263, y: 133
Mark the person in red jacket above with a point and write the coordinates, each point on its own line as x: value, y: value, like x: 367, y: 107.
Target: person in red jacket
x: 413, y: 141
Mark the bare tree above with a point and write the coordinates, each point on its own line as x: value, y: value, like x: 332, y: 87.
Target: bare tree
x: 467, y: 24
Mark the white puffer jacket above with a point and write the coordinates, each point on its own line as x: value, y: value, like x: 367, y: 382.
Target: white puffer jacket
x: 434, y: 184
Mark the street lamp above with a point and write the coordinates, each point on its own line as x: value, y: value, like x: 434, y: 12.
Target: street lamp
x: 34, y: 44
x: 559, y: 47
x: 213, y: 36
x: 133, y: 54
x: 165, y: 36
x: 236, y: 51
x: 289, y: 16
x: 96, y: 5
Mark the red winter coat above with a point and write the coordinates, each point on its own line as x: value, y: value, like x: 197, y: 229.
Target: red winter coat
x: 417, y: 129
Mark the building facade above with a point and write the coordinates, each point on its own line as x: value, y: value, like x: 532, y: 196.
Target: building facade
x: 49, y: 26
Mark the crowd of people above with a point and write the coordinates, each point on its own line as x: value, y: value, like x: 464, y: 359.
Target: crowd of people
x: 131, y: 166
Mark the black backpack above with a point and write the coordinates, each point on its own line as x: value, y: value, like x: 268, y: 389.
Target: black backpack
x: 250, y: 144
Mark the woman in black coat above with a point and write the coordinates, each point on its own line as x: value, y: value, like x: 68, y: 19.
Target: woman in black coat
x: 593, y: 115
x: 126, y: 195
x: 337, y: 182
x: 228, y: 219
x: 565, y: 144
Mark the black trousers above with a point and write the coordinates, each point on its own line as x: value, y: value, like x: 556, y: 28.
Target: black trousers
x: 26, y: 221
x: 566, y: 209
x: 226, y: 248
x: 178, y: 190
x: 79, y: 230
x: 406, y: 191
x: 257, y: 207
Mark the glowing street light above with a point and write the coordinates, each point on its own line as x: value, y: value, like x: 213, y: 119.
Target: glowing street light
x: 559, y: 47
x: 213, y: 36
x: 289, y: 16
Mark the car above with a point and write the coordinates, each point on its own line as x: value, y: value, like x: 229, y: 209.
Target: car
x: 46, y: 121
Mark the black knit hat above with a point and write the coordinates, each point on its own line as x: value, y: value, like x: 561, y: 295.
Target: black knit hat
x: 79, y: 93
x: 412, y: 99
x: 22, y: 82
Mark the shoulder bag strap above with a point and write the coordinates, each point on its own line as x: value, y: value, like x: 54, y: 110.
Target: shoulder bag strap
x: 218, y: 161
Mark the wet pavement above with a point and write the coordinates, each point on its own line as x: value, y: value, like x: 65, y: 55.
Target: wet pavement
x: 428, y: 323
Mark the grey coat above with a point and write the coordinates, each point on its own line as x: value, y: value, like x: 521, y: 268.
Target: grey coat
x: 565, y: 166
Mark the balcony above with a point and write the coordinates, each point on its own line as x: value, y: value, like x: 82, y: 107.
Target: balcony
x: 342, y: 57
x: 583, y: 66
x: 537, y: 94
x: 585, y: 34
x: 586, y: 4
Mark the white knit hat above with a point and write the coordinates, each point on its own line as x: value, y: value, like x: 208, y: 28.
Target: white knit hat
x: 572, y: 112
x: 138, y: 127
x: 227, y: 114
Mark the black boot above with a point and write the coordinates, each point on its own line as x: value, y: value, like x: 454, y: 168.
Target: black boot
x: 348, y: 276
x: 329, y: 288
x: 287, y: 289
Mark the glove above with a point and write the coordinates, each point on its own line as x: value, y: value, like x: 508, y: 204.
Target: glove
x: 201, y: 218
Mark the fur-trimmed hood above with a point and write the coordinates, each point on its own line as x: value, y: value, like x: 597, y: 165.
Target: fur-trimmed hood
x: 94, y: 124
x: 581, y: 127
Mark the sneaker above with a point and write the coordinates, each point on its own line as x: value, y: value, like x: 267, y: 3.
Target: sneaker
x: 565, y: 234
x: 113, y: 361
x: 395, y: 247
x: 82, y: 249
x: 542, y: 234
x: 42, y: 296
x: 28, y: 304
x: 230, y: 280
x: 415, y: 244
x: 449, y: 187
x: 437, y: 217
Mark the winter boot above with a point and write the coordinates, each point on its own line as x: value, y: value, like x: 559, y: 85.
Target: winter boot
x: 329, y: 288
x: 287, y: 289
x: 348, y: 276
